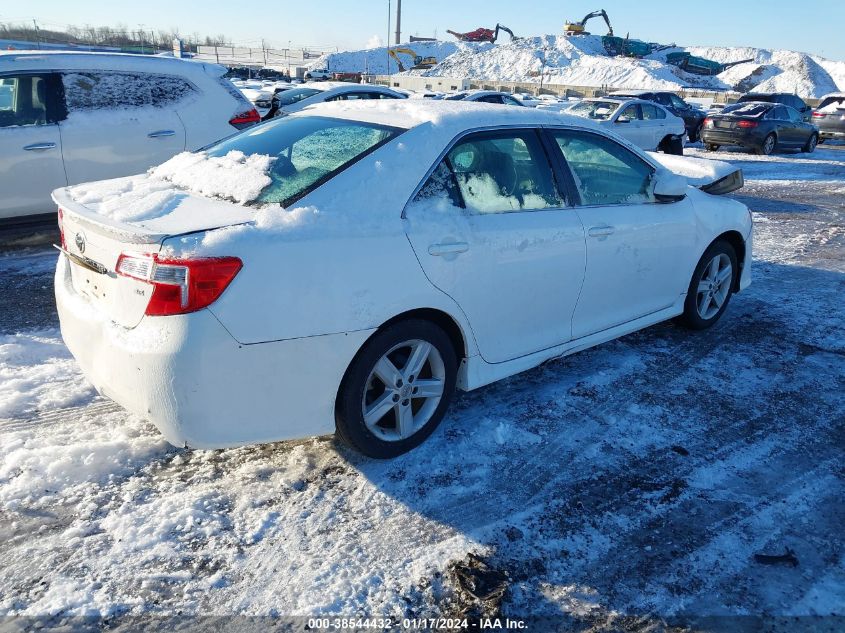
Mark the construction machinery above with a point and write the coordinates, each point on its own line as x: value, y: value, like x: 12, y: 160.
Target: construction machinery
x: 484, y: 35
x: 420, y: 63
x: 699, y: 65
x: 580, y: 28
x: 625, y: 46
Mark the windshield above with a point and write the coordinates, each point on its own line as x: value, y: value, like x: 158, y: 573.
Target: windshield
x: 305, y: 151
x: 600, y: 110
x: 746, y: 109
x: 289, y: 97
x: 456, y: 97
x: 760, y: 97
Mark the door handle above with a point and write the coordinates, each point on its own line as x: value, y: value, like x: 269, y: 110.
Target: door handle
x: 452, y: 248
x: 160, y: 133
x: 600, y: 231
x: 39, y: 146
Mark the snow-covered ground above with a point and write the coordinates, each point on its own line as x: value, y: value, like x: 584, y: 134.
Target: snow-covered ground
x: 582, y: 61
x: 638, y: 479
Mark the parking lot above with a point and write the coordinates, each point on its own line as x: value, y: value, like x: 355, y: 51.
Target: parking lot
x: 640, y: 478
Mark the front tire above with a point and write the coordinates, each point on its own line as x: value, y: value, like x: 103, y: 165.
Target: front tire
x: 712, y: 147
x: 397, y: 389
x: 711, y: 286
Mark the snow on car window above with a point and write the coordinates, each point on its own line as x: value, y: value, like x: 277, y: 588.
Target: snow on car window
x: 306, y: 151
x: 746, y: 109
x: 598, y: 110
x: 604, y: 171
x: 832, y: 104
x: 112, y: 90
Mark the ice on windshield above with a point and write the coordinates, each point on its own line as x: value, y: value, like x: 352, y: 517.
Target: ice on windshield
x: 598, y: 110
x: 746, y: 109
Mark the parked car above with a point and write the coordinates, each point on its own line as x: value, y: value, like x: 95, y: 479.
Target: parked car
x: 783, y: 98
x: 317, y: 74
x: 759, y: 126
x: 312, y: 93
x: 426, y: 246
x: 484, y: 96
x: 693, y: 117
x: 75, y: 117
x: 829, y: 117
x: 646, y: 124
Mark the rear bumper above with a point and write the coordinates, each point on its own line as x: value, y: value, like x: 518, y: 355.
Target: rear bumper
x: 199, y: 386
x: 832, y: 133
x: 724, y: 137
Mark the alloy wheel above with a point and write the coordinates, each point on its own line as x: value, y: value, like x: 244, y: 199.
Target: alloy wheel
x: 714, y: 286
x: 403, y: 390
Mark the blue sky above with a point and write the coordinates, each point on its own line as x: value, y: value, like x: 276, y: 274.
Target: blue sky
x: 815, y: 27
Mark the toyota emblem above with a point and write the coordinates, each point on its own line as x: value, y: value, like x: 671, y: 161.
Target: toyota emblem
x: 80, y: 241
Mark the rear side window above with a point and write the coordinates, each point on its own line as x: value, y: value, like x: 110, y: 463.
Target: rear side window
x: 604, y: 171
x: 117, y: 90
x: 24, y: 100
x: 490, y: 173
x: 651, y: 112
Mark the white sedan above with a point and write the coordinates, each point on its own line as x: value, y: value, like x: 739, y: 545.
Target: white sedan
x: 312, y: 93
x: 646, y: 124
x: 347, y: 268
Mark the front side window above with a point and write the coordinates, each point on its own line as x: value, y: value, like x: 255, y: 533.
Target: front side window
x: 23, y: 100
x: 295, y: 95
x: 114, y: 90
x: 794, y: 115
x: 306, y: 151
x: 631, y: 112
x: 604, y: 171
x: 678, y: 102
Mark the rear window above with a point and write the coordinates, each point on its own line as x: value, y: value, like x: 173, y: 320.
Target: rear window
x: 746, y: 109
x: 114, y: 90
x: 831, y: 104
x: 305, y: 151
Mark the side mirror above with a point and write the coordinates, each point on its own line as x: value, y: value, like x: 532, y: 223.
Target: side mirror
x: 623, y: 119
x: 669, y: 187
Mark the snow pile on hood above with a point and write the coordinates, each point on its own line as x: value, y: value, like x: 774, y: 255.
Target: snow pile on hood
x: 234, y: 177
x: 582, y: 61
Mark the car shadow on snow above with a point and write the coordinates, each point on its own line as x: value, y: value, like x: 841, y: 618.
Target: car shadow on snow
x: 641, y: 477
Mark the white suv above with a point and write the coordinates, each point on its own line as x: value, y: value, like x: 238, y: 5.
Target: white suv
x: 67, y: 118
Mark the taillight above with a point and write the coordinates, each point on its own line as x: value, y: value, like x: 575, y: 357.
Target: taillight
x: 62, y: 229
x: 818, y: 114
x: 180, y: 285
x: 747, y: 124
x: 708, y: 122
x: 245, y: 119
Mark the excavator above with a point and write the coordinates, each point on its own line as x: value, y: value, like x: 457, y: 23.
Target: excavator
x: 420, y: 63
x: 579, y: 28
x: 484, y: 35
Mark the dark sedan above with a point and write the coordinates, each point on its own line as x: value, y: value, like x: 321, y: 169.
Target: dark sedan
x: 830, y: 117
x: 761, y: 127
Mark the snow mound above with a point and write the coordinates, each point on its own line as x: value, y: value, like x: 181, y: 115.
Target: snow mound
x: 582, y: 61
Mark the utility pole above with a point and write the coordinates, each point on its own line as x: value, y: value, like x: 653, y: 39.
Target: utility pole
x: 37, y: 34
x: 398, y: 21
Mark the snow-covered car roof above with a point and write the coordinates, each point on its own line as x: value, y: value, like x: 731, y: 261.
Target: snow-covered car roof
x: 83, y: 60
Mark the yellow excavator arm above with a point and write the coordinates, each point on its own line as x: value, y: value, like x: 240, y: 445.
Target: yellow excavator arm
x: 419, y: 62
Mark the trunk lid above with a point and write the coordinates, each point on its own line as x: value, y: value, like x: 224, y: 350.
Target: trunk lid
x: 94, y: 242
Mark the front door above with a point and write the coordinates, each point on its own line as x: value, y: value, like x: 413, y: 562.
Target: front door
x: 637, y: 249
x: 492, y: 230
x: 30, y: 146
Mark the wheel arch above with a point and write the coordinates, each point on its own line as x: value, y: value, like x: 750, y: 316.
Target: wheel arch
x: 440, y: 318
x: 734, y: 238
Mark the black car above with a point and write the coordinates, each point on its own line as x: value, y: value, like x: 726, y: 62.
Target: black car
x: 783, y: 98
x: 693, y: 117
x: 829, y: 116
x: 759, y: 126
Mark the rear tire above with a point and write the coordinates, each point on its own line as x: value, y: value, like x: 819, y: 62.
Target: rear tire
x: 379, y: 410
x: 695, y: 135
x: 769, y: 145
x: 712, y: 147
x: 672, y: 145
x: 711, y: 287
x: 810, y: 147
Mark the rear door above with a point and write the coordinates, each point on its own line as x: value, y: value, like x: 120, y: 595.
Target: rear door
x: 638, y: 251
x: 491, y: 228
x: 30, y: 145
x: 120, y: 123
